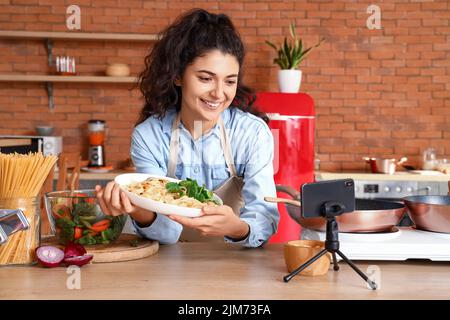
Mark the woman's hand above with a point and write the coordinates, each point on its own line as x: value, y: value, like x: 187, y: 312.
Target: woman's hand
x: 114, y: 202
x: 216, y: 221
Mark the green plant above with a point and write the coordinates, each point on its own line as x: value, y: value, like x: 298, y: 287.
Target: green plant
x: 291, y: 54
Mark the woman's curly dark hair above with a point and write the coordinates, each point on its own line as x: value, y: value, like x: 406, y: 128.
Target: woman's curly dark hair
x: 189, y: 37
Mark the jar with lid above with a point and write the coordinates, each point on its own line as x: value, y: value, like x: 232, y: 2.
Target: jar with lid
x: 429, y: 159
x: 20, y: 247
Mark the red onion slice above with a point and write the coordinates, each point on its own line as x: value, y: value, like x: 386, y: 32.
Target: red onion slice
x: 74, y: 250
x: 49, y: 256
x: 79, y: 260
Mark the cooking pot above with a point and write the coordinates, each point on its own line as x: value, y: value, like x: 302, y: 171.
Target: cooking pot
x: 387, y: 166
x: 431, y: 213
x: 369, y: 215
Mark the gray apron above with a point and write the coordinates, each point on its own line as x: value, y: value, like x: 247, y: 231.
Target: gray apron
x: 230, y: 191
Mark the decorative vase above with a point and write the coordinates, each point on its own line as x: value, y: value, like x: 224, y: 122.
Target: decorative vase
x: 289, y: 80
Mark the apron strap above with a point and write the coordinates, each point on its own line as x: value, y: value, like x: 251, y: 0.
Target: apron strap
x: 226, y: 147
x: 175, y: 141
x: 174, y: 146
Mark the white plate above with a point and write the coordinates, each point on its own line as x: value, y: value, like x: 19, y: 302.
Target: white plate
x: 153, y: 205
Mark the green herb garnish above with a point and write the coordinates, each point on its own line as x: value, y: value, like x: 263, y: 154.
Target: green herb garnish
x: 191, y: 189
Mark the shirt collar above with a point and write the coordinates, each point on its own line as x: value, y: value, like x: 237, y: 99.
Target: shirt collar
x: 168, y: 120
x: 170, y: 117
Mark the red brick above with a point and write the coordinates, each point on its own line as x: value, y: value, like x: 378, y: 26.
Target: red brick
x: 257, y: 6
x: 397, y: 75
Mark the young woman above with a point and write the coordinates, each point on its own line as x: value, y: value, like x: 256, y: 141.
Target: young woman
x: 198, y: 123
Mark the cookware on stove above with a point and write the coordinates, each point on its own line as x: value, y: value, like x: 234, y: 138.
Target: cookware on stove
x: 387, y: 166
x: 431, y: 213
x: 369, y: 215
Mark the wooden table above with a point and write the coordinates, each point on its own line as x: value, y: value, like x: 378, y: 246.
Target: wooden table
x: 220, y: 271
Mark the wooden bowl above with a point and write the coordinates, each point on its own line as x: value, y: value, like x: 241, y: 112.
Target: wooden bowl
x: 117, y: 70
x: 297, y: 252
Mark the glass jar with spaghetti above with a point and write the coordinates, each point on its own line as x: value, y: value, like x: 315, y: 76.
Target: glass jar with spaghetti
x: 19, y: 249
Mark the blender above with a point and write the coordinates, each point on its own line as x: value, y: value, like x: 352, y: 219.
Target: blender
x: 96, y: 130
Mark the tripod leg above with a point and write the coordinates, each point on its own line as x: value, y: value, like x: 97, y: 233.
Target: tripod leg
x: 371, y: 283
x: 304, y: 266
x: 335, y: 263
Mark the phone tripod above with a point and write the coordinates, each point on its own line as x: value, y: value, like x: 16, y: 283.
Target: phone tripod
x: 330, y: 210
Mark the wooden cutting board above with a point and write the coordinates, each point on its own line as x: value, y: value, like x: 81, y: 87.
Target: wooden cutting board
x: 127, y: 247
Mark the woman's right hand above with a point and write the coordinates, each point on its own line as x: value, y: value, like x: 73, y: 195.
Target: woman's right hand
x: 114, y: 202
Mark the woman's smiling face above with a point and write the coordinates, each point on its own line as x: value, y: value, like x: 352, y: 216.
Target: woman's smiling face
x: 209, y: 85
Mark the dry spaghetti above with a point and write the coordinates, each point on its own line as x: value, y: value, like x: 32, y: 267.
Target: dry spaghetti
x: 21, y: 179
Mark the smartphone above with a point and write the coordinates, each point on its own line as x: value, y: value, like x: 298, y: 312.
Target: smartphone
x: 340, y: 194
x: 11, y: 221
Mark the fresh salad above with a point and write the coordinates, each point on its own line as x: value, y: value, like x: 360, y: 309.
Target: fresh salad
x: 80, y: 220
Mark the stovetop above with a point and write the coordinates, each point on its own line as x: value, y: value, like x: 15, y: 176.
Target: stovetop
x: 402, y: 244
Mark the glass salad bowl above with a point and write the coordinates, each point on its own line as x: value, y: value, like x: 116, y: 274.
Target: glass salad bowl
x: 76, y: 216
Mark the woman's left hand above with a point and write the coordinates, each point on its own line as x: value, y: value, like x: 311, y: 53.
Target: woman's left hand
x: 216, y: 221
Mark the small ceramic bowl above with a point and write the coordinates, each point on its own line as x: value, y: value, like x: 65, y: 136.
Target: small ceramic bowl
x: 44, y: 130
x: 297, y: 252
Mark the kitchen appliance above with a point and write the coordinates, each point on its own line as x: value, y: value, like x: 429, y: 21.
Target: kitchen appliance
x: 25, y: 144
x: 96, y: 130
x: 401, y: 243
x: 292, y: 122
x: 387, y: 166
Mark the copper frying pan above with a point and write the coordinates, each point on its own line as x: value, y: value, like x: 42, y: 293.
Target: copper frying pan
x: 369, y: 216
x: 431, y: 213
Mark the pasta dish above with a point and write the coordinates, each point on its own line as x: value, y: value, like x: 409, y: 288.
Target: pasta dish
x: 185, y: 193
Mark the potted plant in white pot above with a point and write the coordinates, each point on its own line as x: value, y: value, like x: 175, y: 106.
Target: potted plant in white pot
x: 290, y: 55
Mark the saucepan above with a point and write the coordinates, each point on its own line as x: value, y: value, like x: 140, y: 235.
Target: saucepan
x: 369, y: 216
x: 387, y: 166
x: 430, y: 213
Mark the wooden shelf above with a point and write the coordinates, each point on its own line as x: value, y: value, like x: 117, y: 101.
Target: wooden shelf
x: 77, y: 36
x: 55, y: 78
x: 49, y: 36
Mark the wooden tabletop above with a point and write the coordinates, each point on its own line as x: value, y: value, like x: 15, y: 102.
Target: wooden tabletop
x: 221, y: 271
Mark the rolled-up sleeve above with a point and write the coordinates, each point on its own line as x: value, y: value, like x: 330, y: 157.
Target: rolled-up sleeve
x: 261, y: 216
x: 163, y: 229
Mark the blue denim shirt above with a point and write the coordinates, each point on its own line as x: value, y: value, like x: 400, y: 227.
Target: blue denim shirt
x: 203, y: 160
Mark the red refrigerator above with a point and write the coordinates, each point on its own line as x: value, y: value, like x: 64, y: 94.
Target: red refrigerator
x: 292, y: 124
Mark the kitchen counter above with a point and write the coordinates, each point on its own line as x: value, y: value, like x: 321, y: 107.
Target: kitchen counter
x: 398, y: 176
x: 101, y: 176
x: 221, y: 271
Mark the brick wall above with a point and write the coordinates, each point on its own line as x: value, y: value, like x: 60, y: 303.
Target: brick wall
x: 377, y: 92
